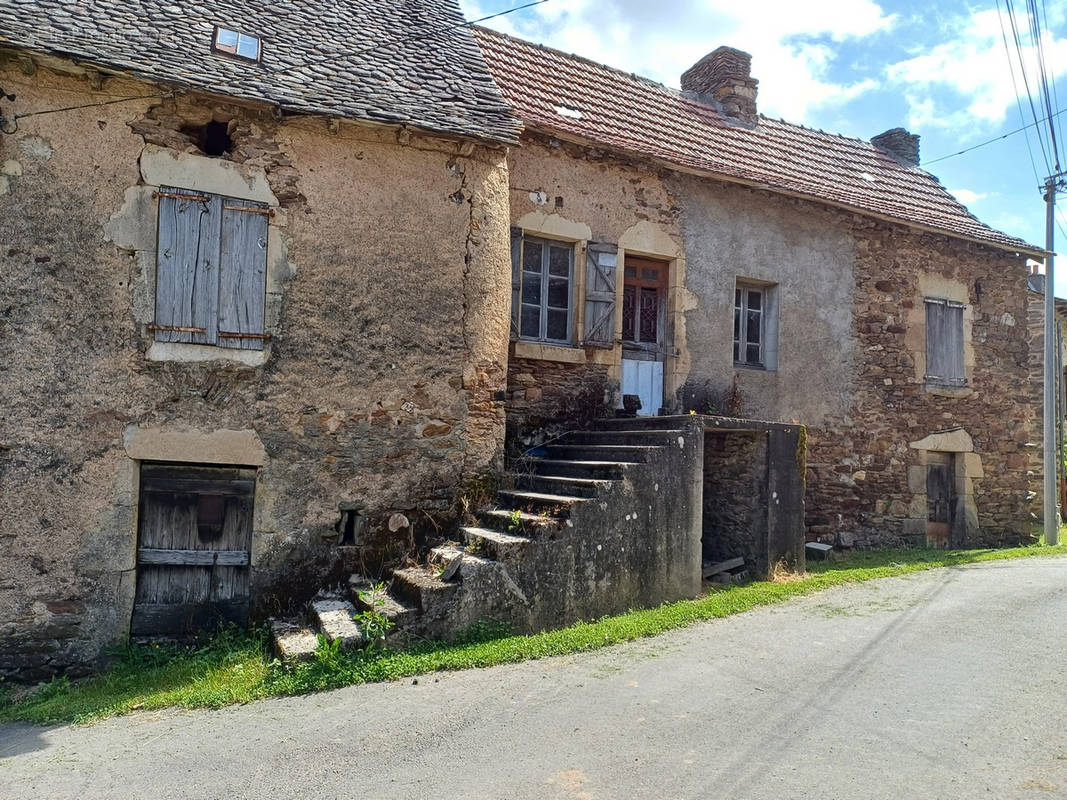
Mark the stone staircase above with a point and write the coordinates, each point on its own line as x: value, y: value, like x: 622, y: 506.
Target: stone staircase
x: 597, y: 522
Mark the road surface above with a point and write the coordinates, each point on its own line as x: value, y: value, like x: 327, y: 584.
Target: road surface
x: 942, y: 684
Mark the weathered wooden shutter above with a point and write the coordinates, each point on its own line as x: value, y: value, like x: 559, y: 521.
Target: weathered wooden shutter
x: 516, y: 279
x: 243, y: 274
x: 187, y: 268
x: 601, y: 261
x: 944, y: 341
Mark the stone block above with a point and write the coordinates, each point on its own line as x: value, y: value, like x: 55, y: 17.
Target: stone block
x: 917, y: 479
x: 334, y: 619
x: 817, y: 551
x: 914, y: 527
x: 972, y: 465
x: 953, y: 441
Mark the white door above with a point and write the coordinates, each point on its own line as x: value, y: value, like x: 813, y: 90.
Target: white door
x: 645, y: 379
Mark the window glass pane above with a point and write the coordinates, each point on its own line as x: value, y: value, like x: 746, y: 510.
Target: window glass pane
x: 559, y: 293
x: 557, y: 325
x: 649, y: 315
x: 737, y: 324
x: 737, y: 351
x: 531, y: 322
x: 248, y: 46
x: 559, y: 261
x: 737, y: 298
x: 631, y: 272
x: 753, y: 354
x: 531, y: 256
x: 755, y: 299
x: 227, y: 39
x: 752, y: 328
x: 629, y: 311
x: 531, y: 288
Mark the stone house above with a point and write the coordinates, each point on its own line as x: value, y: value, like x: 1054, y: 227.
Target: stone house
x: 254, y: 302
x: 706, y: 258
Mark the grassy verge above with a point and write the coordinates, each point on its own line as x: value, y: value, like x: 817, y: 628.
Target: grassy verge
x: 234, y: 667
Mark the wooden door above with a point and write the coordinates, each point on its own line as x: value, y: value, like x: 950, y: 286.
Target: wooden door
x: 194, y: 536
x: 940, y: 499
x: 644, y: 316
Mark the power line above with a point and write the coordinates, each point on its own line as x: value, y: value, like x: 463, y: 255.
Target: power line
x: 1026, y: 81
x: 1042, y: 71
x: 991, y: 141
x: 1015, y: 86
x: 16, y: 117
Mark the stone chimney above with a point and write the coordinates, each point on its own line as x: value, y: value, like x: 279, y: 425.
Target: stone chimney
x: 900, y: 144
x: 723, y: 75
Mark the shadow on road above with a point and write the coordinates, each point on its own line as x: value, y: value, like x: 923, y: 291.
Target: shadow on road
x: 17, y: 738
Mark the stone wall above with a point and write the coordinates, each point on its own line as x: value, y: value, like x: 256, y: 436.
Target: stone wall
x: 387, y: 308
x: 735, y: 490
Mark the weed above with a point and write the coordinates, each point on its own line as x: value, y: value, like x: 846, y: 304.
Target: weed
x: 515, y: 520
x: 234, y: 667
x: 475, y: 547
x: 373, y: 623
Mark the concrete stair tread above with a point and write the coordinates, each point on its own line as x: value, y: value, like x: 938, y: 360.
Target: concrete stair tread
x: 292, y: 640
x: 334, y: 618
x: 579, y: 463
x: 383, y: 602
x: 610, y: 447
x: 647, y: 433
x: 544, y: 497
x: 508, y: 515
x: 496, y: 536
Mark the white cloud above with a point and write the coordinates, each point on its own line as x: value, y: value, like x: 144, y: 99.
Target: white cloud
x: 661, y: 40
x: 974, y: 64
x: 966, y: 196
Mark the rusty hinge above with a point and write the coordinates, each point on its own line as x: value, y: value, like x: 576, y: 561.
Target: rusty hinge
x: 235, y: 335
x: 176, y: 328
x: 176, y: 196
x: 269, y: 212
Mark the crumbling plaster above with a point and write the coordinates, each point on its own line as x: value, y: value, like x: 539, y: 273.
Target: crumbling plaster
x: 388, y: 345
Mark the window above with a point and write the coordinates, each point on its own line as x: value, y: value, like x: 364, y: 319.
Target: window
x: 546, y: 276
x: 211, y: 269
x: 233, y: 43
x: 749, y: 325
x: 944, y: 342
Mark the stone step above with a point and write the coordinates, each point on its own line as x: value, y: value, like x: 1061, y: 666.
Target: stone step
x: 292, y: 640
x: 333, y: 617
x: 558, y: 486
x: 421, y: 586
x: 609, y: 470
x: 368, y: 597
x: 520, y: 523
x: 494, y: 544
x: 673, y: 421
x: 625, y: 437
x: 560, y: 505
x: 635, y: 454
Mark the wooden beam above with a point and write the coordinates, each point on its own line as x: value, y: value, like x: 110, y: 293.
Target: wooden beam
x: 233, y: 488
x: 196, y: 558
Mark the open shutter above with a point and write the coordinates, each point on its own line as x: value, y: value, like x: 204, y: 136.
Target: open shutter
x: 243, y: 274
x: 601, y: 262
x: 516, y: 279
x: 187, y: 273
x: 944, y: 341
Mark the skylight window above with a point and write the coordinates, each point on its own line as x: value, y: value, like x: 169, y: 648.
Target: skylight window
x: 234, y: 43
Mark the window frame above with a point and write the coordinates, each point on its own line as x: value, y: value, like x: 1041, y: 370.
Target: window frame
x: 742, y: 308
x: 929, y: 378
x: 546, y: 279
x: 223, y: 50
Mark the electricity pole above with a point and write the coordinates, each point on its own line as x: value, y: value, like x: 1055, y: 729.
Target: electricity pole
x: 1050, y: 405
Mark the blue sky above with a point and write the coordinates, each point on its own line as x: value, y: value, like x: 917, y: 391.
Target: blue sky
x: 856, y: 67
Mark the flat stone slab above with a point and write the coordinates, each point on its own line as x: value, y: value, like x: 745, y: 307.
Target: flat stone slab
x: 334, y: 618
x: 819, y: 551
x: 293, y: 641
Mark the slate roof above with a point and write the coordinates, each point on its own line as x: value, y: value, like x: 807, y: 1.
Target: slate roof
x: 417, y: 73
x: 638, y: 116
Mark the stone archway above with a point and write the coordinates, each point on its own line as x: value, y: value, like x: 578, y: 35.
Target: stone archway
x: 950, y: 451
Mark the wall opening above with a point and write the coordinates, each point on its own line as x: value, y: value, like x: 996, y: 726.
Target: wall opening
x: 213, y: 138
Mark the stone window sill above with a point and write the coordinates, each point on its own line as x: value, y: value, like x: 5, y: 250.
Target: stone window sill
x: 945, y: 390
x: 549, y: 352
x: 192, y: 353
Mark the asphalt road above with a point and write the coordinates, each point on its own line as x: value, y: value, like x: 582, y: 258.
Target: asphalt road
x: 943, y: 684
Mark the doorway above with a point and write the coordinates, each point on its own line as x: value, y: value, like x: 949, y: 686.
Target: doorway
x: 940, y: 499
x: 644, y: 341
x: 193, y: 549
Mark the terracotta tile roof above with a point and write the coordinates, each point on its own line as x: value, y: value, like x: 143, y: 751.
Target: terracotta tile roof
x: 411, y: 62
x: 641, y: 117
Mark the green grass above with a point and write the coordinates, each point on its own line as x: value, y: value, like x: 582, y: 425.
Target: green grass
x: 234, y: 667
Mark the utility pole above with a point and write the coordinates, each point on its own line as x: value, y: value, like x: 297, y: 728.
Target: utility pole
x: 1050, y: 405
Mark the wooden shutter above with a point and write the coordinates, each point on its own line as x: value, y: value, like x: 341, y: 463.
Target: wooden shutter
x: 516, y: 279
x: 243, y: 274
x: 601, y: 262
x: 944, y: 341
x: 187, y: 274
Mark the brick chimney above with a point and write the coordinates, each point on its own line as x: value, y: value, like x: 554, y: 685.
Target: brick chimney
x: 900, y: 144
x: 723, y: 76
